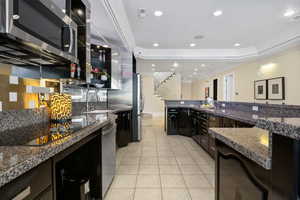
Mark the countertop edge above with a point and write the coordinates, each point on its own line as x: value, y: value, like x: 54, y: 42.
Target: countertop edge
x: 47, y: 152
x: 279, y: 128
x: 263, y: 162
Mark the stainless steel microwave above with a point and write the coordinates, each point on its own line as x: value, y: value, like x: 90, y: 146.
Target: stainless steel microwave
x: 36, y: 32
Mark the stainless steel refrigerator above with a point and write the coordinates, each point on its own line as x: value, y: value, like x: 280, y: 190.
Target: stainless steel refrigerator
x: 138, y: 106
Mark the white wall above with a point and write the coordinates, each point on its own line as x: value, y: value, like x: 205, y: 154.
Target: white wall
x: 153, y: 105
x: 286, y: 64
x: 186, y: 90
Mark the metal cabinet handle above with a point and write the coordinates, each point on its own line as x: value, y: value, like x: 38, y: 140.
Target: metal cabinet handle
x: 71, y: 39
x: 22, y: 195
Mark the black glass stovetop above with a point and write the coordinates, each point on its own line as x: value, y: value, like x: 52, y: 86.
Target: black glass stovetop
x: 44, y: 133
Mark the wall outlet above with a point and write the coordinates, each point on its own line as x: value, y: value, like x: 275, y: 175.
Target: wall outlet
x: 255, y: 108
x: 223, y: 105
x: 255, y: 116
x: 13, y: 97
x: 181, y: 102
x: 13, y: 80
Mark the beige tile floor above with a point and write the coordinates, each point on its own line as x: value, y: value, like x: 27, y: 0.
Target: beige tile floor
x: 162, y: 167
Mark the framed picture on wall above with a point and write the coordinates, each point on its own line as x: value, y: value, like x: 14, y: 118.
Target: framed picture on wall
x: 276, y: 88
x: 261, y: 90
x: 206, y: 92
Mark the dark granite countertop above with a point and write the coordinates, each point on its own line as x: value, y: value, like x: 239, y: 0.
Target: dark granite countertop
x: 281, y: 124
x: 253, y: 143
x: 17, y: 159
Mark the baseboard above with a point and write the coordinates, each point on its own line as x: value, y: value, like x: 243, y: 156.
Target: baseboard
x: 155, y: 114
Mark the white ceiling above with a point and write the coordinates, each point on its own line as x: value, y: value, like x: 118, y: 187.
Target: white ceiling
x: 250, y: 23
x: 258, y: 25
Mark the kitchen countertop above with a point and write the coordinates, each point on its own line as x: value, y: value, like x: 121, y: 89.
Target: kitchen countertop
x: 15, y: 160
x: 281, y: 125
x: 253, y: 143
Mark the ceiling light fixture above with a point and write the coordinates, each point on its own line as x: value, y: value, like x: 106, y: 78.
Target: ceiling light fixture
x: 237, y: 44
x: 203, y: 65
x: 142, y: 13
x: 289, y: 13
x: 192, y: 45
x: 158, y: 13
x: 218, y: 13
x: 175, y: 64
x: 105, y: 46
x: 195, y: 69
x: 155, y: 44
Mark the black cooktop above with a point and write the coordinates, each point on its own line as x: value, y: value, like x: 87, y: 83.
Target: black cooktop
x: 44, y: 133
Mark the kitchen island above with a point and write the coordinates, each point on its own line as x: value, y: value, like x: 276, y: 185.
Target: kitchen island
x: 257, y: 161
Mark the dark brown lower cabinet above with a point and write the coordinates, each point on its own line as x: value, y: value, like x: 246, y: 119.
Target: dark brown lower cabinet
x: 124, y: 130
x: 238, y: 178
x: 33, y: 185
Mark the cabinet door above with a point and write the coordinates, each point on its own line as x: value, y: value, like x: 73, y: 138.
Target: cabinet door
x: 172, y: 124
x: 236, y: 179
x: 30, y: 185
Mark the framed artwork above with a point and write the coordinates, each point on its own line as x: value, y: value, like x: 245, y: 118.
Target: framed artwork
x: 261, y: 90
x: 276, y: 88
x: 206, y: 92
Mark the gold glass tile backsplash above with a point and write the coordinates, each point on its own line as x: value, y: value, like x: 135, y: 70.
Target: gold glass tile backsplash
x: 13, y: 95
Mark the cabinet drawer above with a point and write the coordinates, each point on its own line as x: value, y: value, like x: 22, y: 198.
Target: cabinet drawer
x: 29, y: 185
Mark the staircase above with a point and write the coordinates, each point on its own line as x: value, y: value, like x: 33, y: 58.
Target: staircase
x: 161, y: 80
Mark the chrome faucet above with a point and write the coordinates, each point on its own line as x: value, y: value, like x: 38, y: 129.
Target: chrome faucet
x: 87, y: 98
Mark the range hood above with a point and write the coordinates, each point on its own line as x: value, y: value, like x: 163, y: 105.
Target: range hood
x: 36, y: 33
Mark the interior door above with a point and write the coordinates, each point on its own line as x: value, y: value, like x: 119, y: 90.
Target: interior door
x: 228, y: 87
x: 215, y: 89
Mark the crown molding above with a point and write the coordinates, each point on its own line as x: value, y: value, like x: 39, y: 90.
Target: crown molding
x: 117, y: 13
x: 241, y: 54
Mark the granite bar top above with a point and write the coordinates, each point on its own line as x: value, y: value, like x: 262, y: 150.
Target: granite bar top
x: 281, y: 124
x: 16, y: 160
x: 253, y: 143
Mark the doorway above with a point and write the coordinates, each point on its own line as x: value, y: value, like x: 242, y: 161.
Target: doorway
x: 215, y: 86
x: 228, y: 87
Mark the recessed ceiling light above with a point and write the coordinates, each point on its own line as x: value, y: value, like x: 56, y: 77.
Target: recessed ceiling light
x: 175, y: 64
x: 158, y: 13
x: 142, y: 13
x: 237, y: 44
x: 153, y: 65
x: 289, y: 13
x: 218, y: 13
x: 192, y: 45
x: 203, y: 65
x: 155, y: 44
